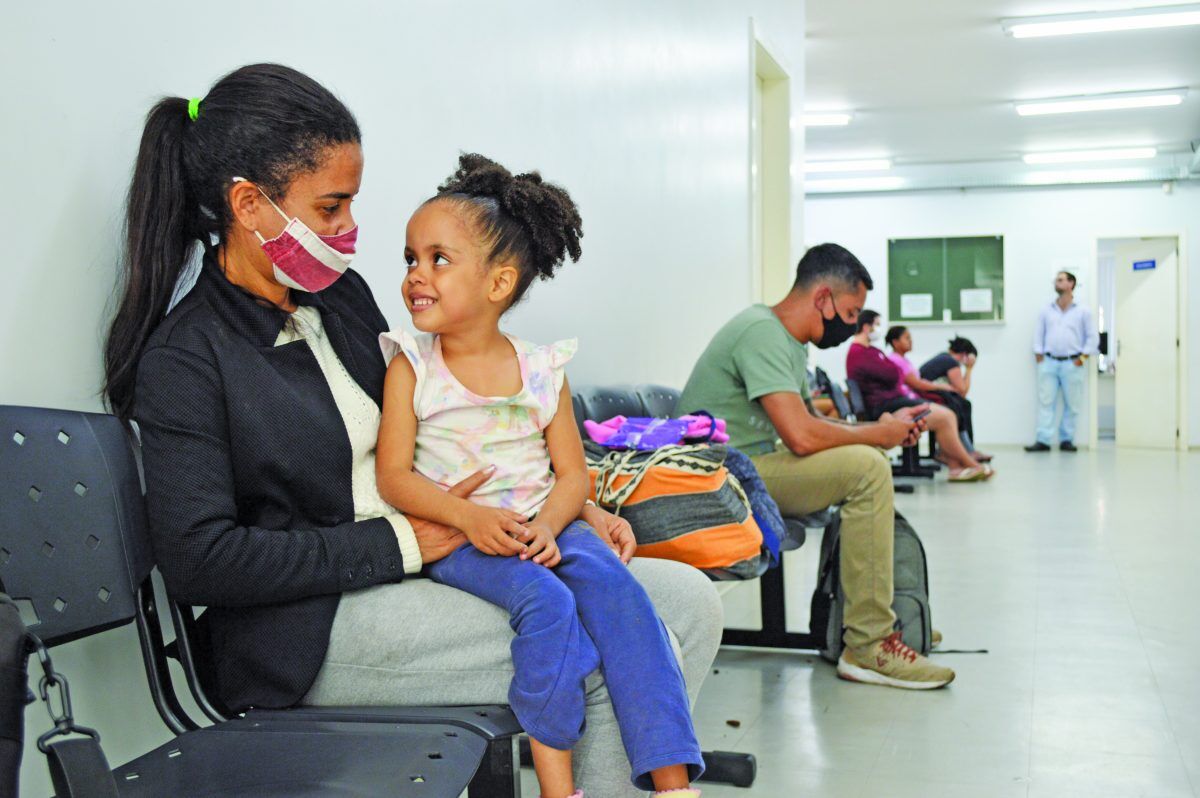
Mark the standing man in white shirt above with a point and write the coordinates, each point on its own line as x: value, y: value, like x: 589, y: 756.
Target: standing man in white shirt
x: 1066, y: 337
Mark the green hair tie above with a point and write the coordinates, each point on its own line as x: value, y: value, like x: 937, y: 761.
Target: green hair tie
x: 193, y: 108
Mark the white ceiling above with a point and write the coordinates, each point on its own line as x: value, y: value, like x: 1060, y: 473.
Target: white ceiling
x: 933, y: 82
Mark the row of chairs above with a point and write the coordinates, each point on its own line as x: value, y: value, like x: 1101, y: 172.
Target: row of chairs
x: 75, y: 553
x: 74, y: 549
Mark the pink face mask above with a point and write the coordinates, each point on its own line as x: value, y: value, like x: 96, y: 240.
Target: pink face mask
x: 304, y: 260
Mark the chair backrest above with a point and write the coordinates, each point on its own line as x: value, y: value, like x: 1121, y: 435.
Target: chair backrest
x: 659, y: 401
x: 601, y: 402
x: 73, y: 539
x: 836, y: 395
x: 856, y: 399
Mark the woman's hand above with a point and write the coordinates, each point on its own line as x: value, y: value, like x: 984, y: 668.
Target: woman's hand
x: 437, y: 540
x: 612, y: 529
x: 543, y: 546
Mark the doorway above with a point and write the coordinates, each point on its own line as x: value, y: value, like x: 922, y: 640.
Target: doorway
x: 1141, y: 379
x: 770, y: 173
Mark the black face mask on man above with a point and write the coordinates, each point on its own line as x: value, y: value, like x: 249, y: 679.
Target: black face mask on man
x: 835, y: 330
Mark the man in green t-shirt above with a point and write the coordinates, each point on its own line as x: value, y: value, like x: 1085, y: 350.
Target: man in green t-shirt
x: 754, y: 375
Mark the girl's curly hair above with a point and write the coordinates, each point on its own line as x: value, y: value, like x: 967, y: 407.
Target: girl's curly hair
x: 521, y: 217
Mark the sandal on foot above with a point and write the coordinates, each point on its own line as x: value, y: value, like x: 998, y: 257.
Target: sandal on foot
x: 972, y: 474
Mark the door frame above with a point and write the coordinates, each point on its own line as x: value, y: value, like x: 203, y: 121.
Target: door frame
x: 1181, y: 316
x: 771, y: 221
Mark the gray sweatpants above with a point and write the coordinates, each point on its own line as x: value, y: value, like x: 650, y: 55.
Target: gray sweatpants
x: 419, y: 642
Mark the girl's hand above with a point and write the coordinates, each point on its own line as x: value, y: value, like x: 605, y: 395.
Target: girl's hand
x: 543, y: 546
x: 612, y: 529
x: 494, y: 531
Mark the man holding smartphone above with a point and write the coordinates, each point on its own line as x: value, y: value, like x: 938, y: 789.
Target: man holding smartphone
x: 754, y: 375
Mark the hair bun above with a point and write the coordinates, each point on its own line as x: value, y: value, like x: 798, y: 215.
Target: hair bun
x: 546, y: 211
x: 477, y: 176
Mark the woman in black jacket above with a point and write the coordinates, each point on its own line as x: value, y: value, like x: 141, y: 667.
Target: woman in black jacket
x: 257, y: 397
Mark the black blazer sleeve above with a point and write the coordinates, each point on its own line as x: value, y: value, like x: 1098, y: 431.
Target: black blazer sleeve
x: 205, y: 556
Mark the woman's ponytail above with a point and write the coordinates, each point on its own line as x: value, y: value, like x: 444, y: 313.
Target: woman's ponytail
x: 160, y: 229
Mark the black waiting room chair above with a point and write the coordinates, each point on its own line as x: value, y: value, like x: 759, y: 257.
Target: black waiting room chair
x: 840, y: 403
x: 74, y: 553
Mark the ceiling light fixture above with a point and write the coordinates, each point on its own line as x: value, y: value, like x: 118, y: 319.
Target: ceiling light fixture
x: 855, y: 184
x: 1124, y: 175
x: 1103, y: 21
x: 1101, y: 102
x: 825, y: 119
x: 1083, y: 156
x: 868, y: 165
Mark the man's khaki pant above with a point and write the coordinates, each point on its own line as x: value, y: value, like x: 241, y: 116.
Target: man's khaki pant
x: 859, y: 478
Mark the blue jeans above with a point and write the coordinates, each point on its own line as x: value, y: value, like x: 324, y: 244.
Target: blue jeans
x: 588, y: 611
x: 1053, y: 377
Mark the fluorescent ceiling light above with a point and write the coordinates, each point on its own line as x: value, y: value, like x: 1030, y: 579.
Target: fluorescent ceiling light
x: 825, y: 119
x: 1101, y: 102
x: 855, y: 184
x: 868, y: 165
x: 1087, y: 176
x: 1103, y: 21
x: 1082, y: 156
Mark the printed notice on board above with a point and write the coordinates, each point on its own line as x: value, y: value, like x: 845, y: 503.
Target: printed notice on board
x: 916, y: 306
x: 975, y: 300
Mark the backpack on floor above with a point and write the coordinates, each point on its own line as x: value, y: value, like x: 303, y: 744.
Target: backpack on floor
x: 910, y: 596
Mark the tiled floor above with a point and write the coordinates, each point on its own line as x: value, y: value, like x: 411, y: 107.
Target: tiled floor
x: 1078, y: 573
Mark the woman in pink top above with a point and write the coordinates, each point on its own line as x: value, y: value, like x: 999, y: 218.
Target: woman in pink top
x: 882, y: 382
x: 914, y: 385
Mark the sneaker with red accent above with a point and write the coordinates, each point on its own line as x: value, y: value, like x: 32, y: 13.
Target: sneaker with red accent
x: 891, y: 663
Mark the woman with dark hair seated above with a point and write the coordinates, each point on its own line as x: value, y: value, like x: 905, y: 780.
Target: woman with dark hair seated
x: 258, y: 395
x: 954, y: 366
x: 882, y: 388
x: 918, y: 386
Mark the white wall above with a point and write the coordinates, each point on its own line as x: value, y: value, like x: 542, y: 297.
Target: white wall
x: 1044, y: 230
x: 640, y: 109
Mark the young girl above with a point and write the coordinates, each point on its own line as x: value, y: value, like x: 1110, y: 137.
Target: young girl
x: 466, y: 395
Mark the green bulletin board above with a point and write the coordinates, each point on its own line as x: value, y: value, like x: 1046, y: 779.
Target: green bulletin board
x: 946, y: 279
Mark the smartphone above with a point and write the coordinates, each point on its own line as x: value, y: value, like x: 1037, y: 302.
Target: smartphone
x: 922, y: 414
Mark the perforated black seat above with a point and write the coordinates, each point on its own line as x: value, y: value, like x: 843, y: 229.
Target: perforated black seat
x: 75, y: 554
x: 659, y: 401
